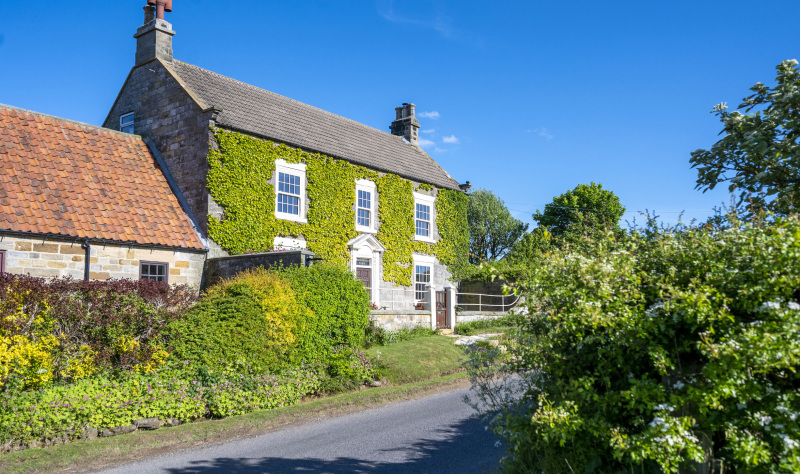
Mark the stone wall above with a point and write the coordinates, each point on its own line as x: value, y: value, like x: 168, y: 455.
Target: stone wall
x: 226, y: 267
x: 165, y: 113
x: 54, y: 258
x: 394, y: 320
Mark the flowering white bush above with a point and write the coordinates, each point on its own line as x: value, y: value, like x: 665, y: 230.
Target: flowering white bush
x: 657, y: 351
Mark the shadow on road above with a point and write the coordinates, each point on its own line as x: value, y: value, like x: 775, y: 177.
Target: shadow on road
x: 465, y: 447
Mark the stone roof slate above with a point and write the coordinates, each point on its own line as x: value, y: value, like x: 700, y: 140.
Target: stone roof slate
x: 263, y: 113
x: 75, y: 180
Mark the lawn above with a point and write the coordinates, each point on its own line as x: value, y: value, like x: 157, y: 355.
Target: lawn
x: 418, y: 359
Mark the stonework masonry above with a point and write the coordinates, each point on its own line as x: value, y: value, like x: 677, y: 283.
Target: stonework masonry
x: 165, y: 113
x: 53, y: 258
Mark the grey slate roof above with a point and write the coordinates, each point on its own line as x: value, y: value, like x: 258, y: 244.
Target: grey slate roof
x: 263, y: 113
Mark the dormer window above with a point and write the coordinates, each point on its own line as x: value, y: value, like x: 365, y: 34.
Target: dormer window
x: 290, y: 191
x: 366, y: 207
x: 126, y: 123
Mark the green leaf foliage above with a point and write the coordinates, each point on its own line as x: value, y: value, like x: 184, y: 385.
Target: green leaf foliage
x: 339, y: 305
x: 493, y: 231
x: 759, y: 154
x: 657, y: 351
x: 253, y: 319
x: 241, y: 168
x: 582, y: 210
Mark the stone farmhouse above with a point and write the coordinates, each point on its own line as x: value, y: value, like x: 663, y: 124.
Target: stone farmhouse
x: 195, y: 175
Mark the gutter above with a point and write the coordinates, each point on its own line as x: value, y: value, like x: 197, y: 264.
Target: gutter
x: 87, y: 241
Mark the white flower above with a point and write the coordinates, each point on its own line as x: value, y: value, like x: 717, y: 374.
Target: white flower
x: 770, y: 305
x: 794, y: 306
x: 764, y: 420
x: 788, y: 442
x: 678, y: 385
x: 663, y: 407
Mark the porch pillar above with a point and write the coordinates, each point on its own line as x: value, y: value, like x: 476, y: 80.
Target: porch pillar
x: 430, y: 300
x: 451, y: 306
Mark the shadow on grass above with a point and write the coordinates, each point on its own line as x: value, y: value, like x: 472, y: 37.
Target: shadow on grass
x: 460, y: 448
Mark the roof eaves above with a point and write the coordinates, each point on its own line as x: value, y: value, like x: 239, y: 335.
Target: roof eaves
x: 338, y: 157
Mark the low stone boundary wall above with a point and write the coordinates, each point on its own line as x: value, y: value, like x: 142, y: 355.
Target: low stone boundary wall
x: 467, y: 316
x: 394, y: 320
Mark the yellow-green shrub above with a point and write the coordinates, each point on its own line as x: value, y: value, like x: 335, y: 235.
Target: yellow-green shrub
x: 252, y: 319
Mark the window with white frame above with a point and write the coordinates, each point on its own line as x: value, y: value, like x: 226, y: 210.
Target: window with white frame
x: 423, y: 273
x: 366, y: 207
x: 126, y: 123
x: 290, y: 191
x: 423, y: 217
x: 422, y: 278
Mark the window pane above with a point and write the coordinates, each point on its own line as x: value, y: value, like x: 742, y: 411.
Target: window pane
x: 364, y: 199
x: 126, y: 123
x: 363, y: 217
x: 289, y: 183
x: 153, y: 271
x: 423, y: 228
x: 363, y: 262
x: 288, y: 204
x: 423, y: 212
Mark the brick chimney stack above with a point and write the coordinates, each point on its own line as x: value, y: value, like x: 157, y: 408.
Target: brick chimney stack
x: 154, y: 37
x: 406, y: 124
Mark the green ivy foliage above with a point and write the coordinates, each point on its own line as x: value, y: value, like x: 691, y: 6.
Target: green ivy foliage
x: 238, y: 180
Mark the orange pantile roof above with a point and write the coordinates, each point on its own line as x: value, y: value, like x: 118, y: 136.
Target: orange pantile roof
x: 77, y: 180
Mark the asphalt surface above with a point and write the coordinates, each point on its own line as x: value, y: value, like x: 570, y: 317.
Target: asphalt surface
x: 435, y: 434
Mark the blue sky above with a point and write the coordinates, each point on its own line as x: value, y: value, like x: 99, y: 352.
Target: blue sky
x: 527, y: 99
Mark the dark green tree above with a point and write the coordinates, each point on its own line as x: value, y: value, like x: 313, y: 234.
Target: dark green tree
x: 493, y: 231
x: 759, y: 154
x: 581, y: 211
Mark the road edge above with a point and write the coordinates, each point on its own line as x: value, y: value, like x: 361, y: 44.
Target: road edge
x: 91, y: 455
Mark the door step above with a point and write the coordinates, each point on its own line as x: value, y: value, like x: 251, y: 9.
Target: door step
x: 445, y: 331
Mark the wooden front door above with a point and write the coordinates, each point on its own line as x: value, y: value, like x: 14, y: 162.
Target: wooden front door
x: 441, y: 309
x: 365, y: 276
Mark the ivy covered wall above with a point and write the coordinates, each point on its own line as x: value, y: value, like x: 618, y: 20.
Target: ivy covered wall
x: 241, y: 168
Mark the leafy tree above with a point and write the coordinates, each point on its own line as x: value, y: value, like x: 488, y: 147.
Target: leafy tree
x: 759, y: 154
x: 585, y: 208
x: 493, y: 230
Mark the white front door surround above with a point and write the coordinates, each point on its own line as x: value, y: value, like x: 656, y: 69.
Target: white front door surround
x: 366, y: 246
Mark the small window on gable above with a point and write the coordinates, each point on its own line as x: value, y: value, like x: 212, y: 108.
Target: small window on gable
x: 423, y: 217
x: 157, y: 271
x: 290, y: 190
x: 126, y: 123
x: 366, y: 207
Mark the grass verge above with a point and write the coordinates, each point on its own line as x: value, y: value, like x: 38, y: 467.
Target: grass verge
x: 418, y: 359
x: 107, y: 452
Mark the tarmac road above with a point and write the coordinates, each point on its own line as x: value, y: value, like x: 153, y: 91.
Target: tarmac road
x: 435, y: 434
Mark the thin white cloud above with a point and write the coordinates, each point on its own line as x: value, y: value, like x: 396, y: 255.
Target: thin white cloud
x: 424, y: 142
x: 450, y: 139
x: 430, y: 130
x: 431, y: 115
x: 441, y: 23
x: 543, y: 132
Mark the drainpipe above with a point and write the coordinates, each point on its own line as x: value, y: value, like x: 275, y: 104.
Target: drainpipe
x: 87, y: 258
